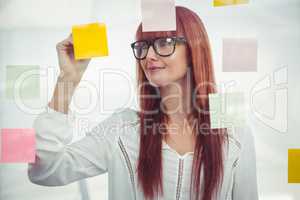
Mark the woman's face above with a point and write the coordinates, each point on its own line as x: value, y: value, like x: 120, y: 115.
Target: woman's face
x: 169, y: 69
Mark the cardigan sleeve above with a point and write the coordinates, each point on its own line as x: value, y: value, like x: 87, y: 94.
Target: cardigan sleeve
x: 245, y: 180
x: 60, y: 162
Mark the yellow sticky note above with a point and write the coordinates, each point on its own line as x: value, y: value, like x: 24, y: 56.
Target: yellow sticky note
x: 294, y: 165
x: 229, y: 2
x: 89, y: 40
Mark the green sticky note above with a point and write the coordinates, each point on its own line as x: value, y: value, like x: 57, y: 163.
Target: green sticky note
x: 227, y: 110
x: 22, y: 81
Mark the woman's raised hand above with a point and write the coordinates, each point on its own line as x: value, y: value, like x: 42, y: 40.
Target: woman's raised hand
x: 71, y: 70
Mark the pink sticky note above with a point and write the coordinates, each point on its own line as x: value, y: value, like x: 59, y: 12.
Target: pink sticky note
x: 17, y: 145
x: 158, y: 15
x: 239, y: 55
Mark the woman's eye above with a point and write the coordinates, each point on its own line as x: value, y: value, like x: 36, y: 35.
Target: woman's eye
x: 165, y: 42
x: 140, y: 46
x: 144, y: 47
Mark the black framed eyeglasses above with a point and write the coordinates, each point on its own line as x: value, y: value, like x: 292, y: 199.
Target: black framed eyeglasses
x: 163, y: 46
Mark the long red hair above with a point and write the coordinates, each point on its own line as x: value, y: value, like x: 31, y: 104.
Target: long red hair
x: 208, y: 153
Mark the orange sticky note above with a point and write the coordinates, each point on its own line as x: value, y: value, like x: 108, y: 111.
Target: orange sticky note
x: 17, y: 145
x: 294, y: 165
x: 229, y: 2
x: 89, y: 40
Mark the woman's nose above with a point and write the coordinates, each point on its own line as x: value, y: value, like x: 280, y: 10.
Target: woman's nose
x: 151, y: 53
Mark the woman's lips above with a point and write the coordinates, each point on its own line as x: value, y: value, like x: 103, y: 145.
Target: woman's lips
x: 155, y: 68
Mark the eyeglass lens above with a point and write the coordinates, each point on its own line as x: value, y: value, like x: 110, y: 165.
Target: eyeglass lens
x: 162, y: 46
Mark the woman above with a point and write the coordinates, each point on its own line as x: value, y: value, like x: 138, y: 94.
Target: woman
x: 164, y: 151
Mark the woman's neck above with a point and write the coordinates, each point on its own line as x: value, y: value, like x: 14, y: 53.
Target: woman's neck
x: 176, y: 99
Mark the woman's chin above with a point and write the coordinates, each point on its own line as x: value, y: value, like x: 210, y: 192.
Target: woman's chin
x: 158, y: 83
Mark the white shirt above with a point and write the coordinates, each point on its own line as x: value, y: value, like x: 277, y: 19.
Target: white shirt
x: 113, y: 145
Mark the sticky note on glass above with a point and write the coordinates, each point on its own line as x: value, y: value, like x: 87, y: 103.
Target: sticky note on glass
x: 239, y: 54
x: 294, y: 165
x: 22, y: 81
x: 158, y: 15
x: 90, y: 40
x: 229, y: 2
x: 17, y: 145
x: 227, y: 110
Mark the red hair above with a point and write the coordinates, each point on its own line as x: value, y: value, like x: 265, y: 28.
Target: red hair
x: 208, y: 153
